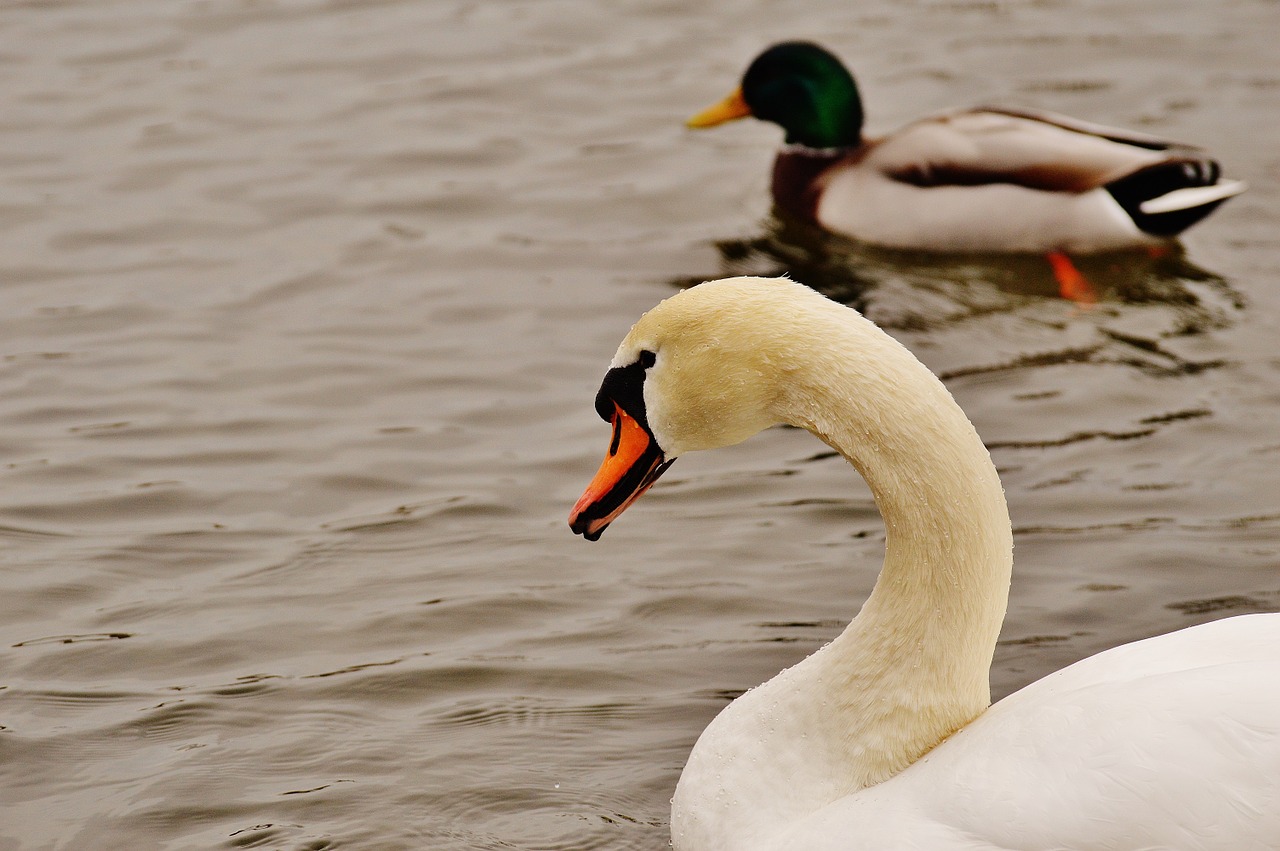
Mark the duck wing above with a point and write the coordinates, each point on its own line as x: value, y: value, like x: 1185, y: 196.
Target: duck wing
x: 1032, y: 149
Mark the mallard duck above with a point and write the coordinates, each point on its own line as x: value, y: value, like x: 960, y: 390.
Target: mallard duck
x: 884, y: 738
x: 977, y: 180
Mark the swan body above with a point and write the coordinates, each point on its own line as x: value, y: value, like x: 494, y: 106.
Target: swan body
x: 1166, y: 743
x: 985, y: 179
x: 884, y: 738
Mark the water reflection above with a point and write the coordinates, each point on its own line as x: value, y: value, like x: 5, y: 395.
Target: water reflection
x: 915, y: 290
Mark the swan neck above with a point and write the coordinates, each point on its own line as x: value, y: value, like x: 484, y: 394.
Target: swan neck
x: 925, y: 636
x: 913, y: 665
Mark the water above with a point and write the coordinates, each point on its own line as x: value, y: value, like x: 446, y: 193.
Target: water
x: 305, y: 305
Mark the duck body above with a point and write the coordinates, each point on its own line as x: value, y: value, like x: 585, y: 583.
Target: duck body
x: 978, y: 180
x: 885, y: 737
x: 981, y: 180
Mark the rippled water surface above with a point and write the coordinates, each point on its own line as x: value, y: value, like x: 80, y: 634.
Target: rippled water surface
x: 304, y: 308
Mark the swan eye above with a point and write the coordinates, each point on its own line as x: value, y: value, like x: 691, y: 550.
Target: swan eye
x: 647, y: 358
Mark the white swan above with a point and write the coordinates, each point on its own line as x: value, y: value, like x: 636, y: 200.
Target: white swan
x: 883, y: 739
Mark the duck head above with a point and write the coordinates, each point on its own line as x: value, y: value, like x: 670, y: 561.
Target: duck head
x: 803, y: 88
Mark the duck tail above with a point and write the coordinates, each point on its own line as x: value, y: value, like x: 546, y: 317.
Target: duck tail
x: 1167, y: 197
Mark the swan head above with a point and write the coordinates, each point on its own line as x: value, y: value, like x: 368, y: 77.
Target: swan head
x: 699, y: 371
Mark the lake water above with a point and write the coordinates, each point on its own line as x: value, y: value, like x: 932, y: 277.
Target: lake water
x: 304, y: 309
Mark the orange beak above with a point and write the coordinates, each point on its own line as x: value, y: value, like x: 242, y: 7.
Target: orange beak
x: 633, y: 464
x: 729, y: 109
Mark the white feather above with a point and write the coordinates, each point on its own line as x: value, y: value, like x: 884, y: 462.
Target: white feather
x: 883, y: 739
x: 1192, y: 197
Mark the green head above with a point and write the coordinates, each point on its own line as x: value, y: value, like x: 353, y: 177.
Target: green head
x: 801, y: 87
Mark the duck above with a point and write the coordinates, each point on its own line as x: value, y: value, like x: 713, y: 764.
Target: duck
x: 886, y: 737
x: 980, y: 180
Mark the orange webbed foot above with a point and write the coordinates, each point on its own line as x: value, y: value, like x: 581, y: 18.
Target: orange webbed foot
x: 1072, y: 285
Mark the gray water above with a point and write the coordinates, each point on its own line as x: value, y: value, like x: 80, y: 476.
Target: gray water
x: 304, y: 309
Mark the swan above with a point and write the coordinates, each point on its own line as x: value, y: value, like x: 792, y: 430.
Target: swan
x: 982, y: 179
x: 885, y: 738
